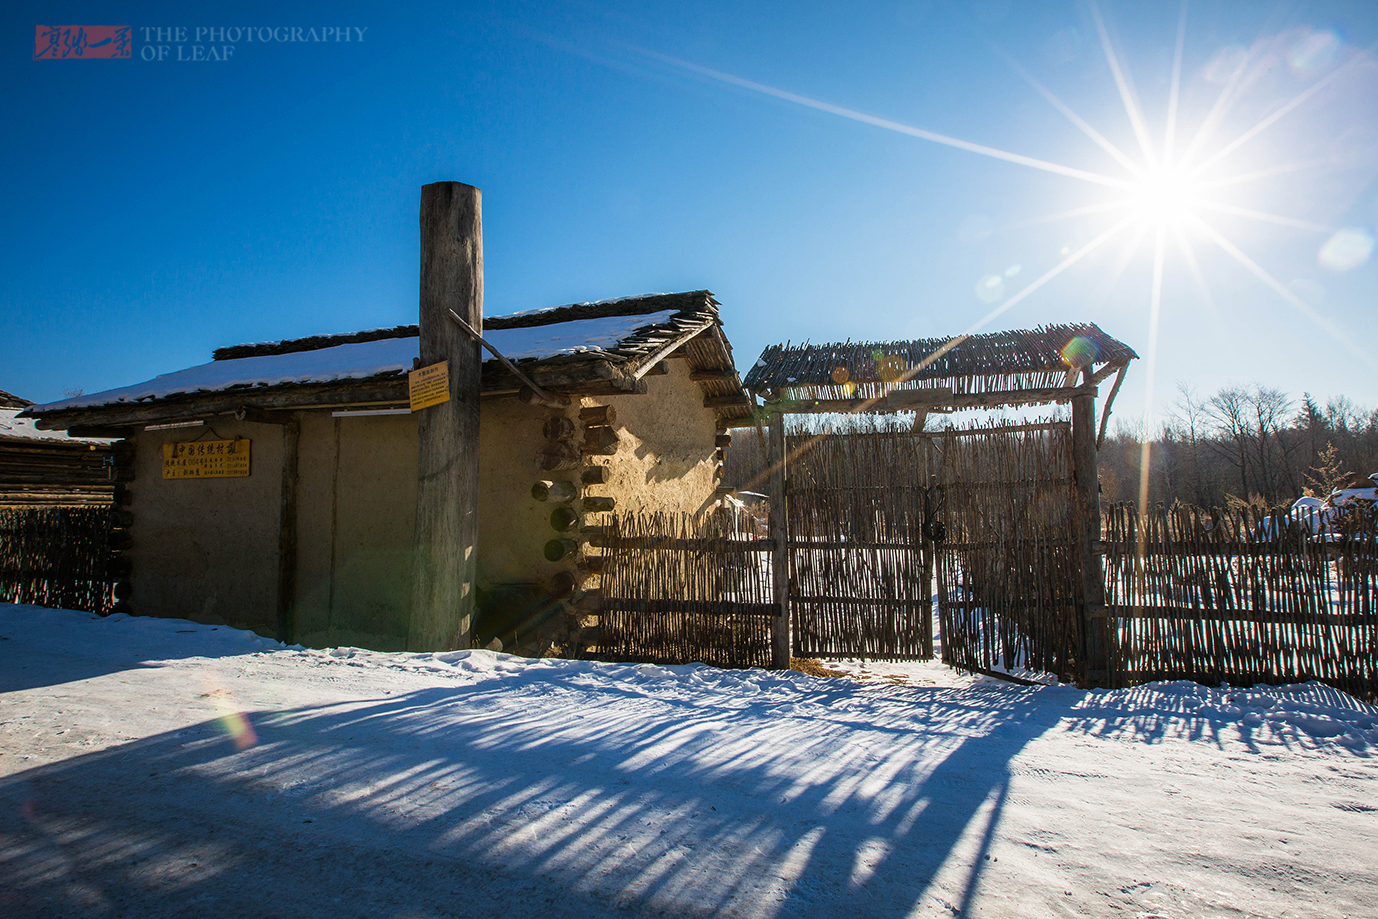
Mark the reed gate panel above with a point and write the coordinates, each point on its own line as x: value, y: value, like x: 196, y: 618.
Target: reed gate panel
x: 854, y: 517
x: 1008, y: 569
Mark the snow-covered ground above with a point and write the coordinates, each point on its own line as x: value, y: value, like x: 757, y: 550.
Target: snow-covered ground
x: 159, y: 767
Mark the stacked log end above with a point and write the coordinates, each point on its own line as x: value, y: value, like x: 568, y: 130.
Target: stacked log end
x: 600, y: 440
x: 721, y: 441
x: 557, y: 491
x: 576, y: 581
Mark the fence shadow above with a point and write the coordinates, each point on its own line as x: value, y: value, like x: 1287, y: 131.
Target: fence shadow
x: 103, y: 645
x: 439, y: 803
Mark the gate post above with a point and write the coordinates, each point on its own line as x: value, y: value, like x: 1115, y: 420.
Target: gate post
x: 779, y: 557
x: 927, y: 551
x: 1095, y: 623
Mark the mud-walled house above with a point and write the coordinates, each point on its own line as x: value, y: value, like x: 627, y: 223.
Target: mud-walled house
x: 275, y: 488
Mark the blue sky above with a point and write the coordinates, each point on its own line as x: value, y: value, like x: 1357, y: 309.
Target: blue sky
x: 155, y: 210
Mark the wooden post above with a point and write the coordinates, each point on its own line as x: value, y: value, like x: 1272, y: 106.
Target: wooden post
x: 926, y: 550
x: 779, y: 556
x: 1094, y: 622
x: 287, y: 532
x: 443, y: 566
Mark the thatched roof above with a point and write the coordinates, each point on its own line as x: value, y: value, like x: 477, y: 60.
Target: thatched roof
x: 990, y: 362
x: 9, y: 400
x: 692, y: 311
x: 598, y: 348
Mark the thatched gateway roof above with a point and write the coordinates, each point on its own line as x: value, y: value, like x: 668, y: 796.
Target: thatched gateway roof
x: 997, y: 362
x: 601, y: 348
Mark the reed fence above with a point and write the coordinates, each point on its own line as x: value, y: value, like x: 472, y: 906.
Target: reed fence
x: 679, y: 589
x: 1214, y: 595
x: 56, y: 557
x: 1008, y: 568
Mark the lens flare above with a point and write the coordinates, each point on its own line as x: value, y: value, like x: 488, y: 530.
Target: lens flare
x: 233, y: 722
x: 1347, y: 249
x: 1079, y: 352
x: 236, y: 725
x: 1313, y: 51
x: 990, y: 288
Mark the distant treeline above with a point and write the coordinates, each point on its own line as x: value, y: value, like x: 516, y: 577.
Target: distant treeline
x: 1244, y: 444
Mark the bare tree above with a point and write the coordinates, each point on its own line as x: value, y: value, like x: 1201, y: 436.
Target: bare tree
x: 1189, y: 423
x: 1228, y: 411
x: 1270, y: 409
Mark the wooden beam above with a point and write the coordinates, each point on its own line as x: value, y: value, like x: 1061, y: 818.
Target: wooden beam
x: 713, y: 376
x: 779, y: 556
x: 443, y: 566
x: 918, y: 398
x: 709, y: 607
x: 1109, y: 401
x: 726, y: 401
x: 381, y: 393
x: 114, y: 433
x: 967, y: 401
x: 656, y: 543
x: 1099, y: 376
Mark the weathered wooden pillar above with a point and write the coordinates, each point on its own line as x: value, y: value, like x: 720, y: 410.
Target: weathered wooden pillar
x: 287, y: 532
x: 779, y: 556
x: 444, y: 555
x: 1095, y: 625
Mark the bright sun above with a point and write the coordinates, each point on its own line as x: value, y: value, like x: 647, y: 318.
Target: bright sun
x: 1165, y: 196
x: 1167, y: 185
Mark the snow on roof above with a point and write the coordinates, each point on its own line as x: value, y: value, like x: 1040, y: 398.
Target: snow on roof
x: 610, y: 302
x: 362, y: 360
x: 13, y: 428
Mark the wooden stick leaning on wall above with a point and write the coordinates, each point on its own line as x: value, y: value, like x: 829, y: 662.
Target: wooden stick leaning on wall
x: 531, y: 393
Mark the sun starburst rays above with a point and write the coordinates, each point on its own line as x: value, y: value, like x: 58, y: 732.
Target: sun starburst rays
x: 1166, y: 194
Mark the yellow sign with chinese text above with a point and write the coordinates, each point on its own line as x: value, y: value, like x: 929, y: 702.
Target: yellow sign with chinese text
x: 206, y: 459
x: 429, y: 386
